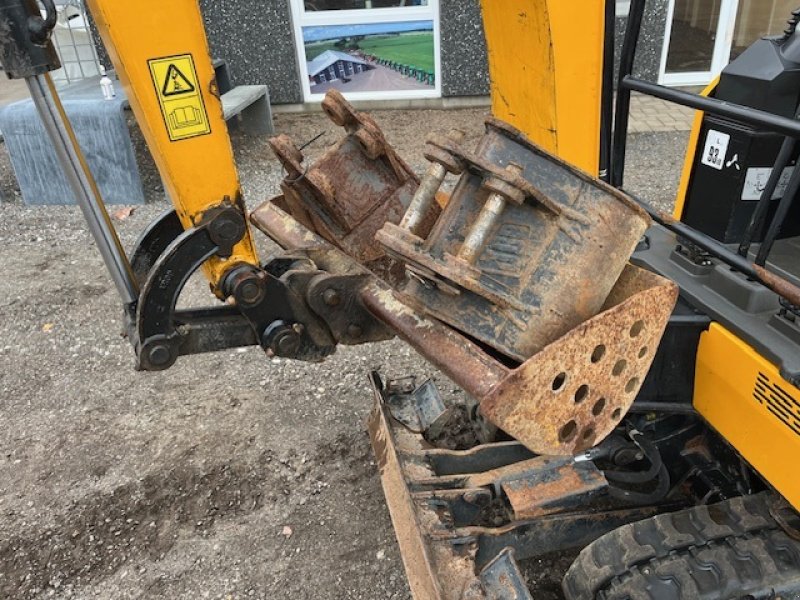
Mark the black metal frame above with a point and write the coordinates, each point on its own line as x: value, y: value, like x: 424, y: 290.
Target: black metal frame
x: 271, y: 302
x: 607, y: 100
x: 790, y: 128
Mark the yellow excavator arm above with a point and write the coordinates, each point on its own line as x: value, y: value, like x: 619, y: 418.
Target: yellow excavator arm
x: 160, y: 54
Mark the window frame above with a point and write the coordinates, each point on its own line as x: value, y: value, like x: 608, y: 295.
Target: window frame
x: 302, y: 19
x: 721, y: 54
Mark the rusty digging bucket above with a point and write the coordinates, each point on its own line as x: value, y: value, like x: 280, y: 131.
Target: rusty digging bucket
x: 348, y: 194
x: 527, y: 248
x: 520, y: 291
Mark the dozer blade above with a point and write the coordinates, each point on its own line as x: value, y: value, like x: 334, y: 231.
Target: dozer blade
x: 464, y: 517
x: 436, y: 569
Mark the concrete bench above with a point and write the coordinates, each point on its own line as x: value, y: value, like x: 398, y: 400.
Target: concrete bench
x: 251, y: 104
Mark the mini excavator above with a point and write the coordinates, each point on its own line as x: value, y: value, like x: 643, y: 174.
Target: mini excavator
x: 633, y: 377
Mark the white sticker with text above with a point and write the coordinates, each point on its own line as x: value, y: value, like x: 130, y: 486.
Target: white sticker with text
x: 756, y: 180
x: 716, y: 149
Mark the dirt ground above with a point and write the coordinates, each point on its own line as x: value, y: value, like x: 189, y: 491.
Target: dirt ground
x: 230, y: 476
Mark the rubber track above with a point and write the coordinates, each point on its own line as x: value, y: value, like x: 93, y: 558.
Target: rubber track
x: 733, y: 549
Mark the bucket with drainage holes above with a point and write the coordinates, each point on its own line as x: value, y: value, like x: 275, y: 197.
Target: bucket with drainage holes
x: 529, y: 261
x: 570, y: 395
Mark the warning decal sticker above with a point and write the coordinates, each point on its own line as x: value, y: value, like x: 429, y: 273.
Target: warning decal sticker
x: 176, y: 83
x: 182, y: 105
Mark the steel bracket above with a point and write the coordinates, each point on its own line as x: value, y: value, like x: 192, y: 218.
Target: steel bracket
x: 265, y: 311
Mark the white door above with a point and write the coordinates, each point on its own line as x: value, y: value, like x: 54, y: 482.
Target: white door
x: 698, y: 40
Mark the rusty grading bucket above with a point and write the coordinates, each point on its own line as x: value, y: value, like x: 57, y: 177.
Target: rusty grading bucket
x: 570, y: 395
x: 527, y: 248
x: 353, y: 189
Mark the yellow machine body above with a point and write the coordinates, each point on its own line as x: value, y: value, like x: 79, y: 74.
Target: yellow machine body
x: 743, y: 396
x: 739, y: 392
x: 546, y: 79
x: 168, y: 77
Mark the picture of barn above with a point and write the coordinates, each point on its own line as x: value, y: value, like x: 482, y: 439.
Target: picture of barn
x: 332, y: 65
x: 374, y: 57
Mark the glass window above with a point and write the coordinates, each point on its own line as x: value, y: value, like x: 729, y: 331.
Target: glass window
x: 759, y: 18
x: 391, y: 57
x: 694, y: 33
x: 388, y: 49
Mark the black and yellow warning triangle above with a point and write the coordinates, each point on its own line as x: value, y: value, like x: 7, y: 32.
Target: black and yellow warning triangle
x: 176, y: 83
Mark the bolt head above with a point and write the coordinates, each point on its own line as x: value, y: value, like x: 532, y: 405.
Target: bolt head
x: 159, y: 355
x: 287, y: 343
x: 250, y: 292
x: 331, y: 297
x: 227, y: 228
x: 354, y: 330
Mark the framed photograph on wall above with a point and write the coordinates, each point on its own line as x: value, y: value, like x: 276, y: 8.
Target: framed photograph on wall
x: 368, y: 49
x: 317, y: 5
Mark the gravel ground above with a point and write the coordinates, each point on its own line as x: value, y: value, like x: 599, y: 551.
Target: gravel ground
x: 229, y: 476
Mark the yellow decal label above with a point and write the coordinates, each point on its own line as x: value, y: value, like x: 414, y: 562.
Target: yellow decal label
x: 178, y: 91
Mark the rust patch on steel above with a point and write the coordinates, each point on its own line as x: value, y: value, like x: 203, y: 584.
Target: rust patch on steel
x: 460, y: 359
x: 283, y: 228
x: 569, y: 483
x: 779, y: 285
x: 572, y: 394
x: 545, y: 261
x: 506, y: 473
x: 353, y: 189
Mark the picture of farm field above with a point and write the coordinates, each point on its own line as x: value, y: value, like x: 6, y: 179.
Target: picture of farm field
x: 415, y: 48
x: 375, y: 57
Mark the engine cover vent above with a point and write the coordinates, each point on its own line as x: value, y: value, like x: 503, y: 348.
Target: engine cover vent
x: 778, y: 401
